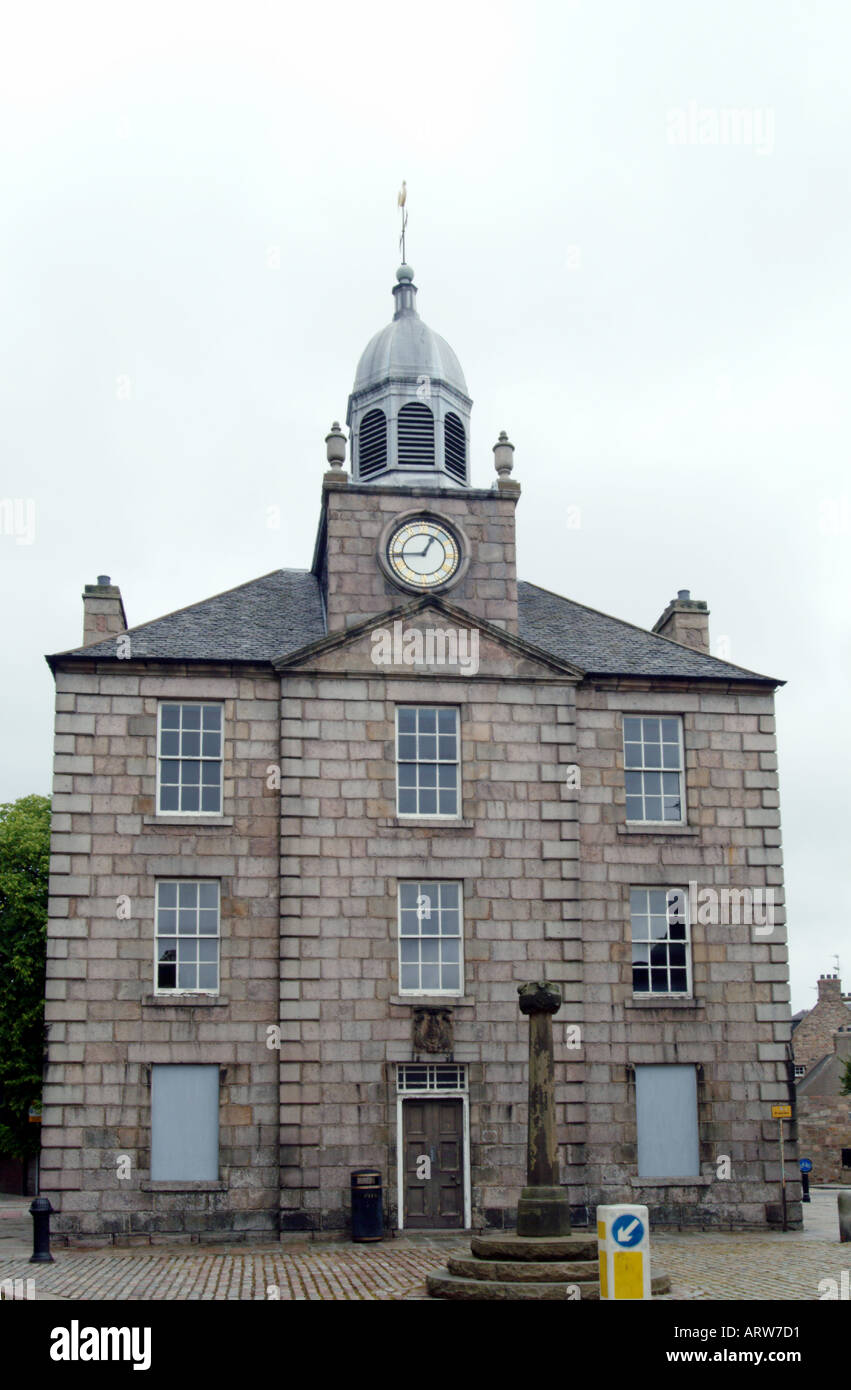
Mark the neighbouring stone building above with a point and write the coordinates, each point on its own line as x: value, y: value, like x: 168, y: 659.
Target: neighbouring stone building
x: 813, y: 1029
x: 310, y: 835
x: 821, y: 1045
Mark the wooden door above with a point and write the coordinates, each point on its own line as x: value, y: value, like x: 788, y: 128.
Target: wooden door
x: 434, y: 1191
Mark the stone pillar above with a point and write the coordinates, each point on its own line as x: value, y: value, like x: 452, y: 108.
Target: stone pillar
x: 543, y: 1209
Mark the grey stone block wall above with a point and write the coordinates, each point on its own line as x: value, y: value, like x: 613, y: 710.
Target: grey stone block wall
x: 738, y: 1027
x: 356, y: 516
x: 345, y: 1025
x: 309, y: 942
x: 309, y: 873
x: 105, y: 1029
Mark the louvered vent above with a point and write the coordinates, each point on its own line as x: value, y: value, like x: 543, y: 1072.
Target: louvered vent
x: 455, y: 447
x: 416, y: 436
x: 372, y: 444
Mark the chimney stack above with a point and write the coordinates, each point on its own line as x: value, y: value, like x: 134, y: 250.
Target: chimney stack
x: 103, y: 611
x: 829, y: 987
x: 686, y: 620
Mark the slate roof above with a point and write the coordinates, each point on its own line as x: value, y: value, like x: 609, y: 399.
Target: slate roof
x: 831, y: 1062
x: 262, y: 619
x: 282, y: 612
x: 607, y: 646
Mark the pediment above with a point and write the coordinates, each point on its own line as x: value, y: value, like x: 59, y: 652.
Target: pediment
x: 428, y: 637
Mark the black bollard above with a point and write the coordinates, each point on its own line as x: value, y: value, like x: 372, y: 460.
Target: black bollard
x: 40, y: 1211
x: 843, y: 1201
x: 805, y: 1187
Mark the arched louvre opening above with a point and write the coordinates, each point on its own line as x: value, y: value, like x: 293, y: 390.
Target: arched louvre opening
x: 455, y: 447
x: 415, y: 433
x: 372, y: 444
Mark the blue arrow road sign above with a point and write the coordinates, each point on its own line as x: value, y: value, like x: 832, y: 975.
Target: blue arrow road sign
x: 628, y: 1231
x: 806, y: 1165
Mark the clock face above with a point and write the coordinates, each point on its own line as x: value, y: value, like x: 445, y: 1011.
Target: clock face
x: 423, y: 553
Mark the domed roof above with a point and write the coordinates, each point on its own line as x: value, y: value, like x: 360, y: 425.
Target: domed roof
x: 407, y: 347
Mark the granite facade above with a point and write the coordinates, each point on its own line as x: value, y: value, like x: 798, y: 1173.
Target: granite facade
x: 310, y: 1024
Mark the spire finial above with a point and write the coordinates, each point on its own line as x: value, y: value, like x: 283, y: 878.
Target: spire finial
x: 400, y: 203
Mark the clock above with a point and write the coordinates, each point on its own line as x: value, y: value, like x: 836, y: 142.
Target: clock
x: 422, y: 553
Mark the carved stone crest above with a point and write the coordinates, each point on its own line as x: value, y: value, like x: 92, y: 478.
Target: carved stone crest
x: 541, y: 997
x: 433, y: 1030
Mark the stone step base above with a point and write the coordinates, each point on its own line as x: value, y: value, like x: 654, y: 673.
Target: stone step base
x: 443, y: 1284
x: 526, y: 1271
x: 509, y: 1246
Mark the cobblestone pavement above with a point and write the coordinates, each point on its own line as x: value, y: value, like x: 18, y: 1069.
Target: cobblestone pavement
x: 393, y: 1270
x: 749, y: 1266
x: 702, y: 1265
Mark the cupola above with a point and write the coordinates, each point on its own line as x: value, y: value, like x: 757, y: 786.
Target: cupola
x: 409, y: 412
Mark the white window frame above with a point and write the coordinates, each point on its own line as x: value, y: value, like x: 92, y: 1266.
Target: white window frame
x: 682, y: 894
x: 196, y: 936
x: 681, y: 770
x: 442, y: 993
x: 430, y: 815
x: 204, y: 704
x: 430, y: 1090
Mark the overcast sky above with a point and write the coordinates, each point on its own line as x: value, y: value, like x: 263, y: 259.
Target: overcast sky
x: 199, y: 236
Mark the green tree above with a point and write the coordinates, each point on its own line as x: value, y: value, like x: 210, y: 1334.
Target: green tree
x: 845, y: 1081
x: 24, y: 862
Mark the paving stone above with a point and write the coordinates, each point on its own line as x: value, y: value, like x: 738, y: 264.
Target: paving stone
x: 718, y: 1265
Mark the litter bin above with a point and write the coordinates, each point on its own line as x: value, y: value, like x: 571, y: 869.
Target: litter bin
x: 367, y: 1214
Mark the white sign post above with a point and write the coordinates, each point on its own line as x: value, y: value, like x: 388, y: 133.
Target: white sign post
x: 623, y: 1244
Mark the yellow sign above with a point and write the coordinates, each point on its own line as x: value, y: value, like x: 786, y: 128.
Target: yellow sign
x: 781, y: 1112
x: 629, y: 1273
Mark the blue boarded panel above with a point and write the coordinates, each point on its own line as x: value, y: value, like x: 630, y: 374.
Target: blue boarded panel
x: 666, y: 1114
x: 184, y: 1123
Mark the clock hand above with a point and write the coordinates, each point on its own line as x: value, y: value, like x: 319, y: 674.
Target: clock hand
x: 418, y: 554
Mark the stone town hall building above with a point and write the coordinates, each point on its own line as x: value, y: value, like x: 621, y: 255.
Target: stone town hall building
x: 309, y: 835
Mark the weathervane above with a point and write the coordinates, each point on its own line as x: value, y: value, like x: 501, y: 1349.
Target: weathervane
x: 400, y: 202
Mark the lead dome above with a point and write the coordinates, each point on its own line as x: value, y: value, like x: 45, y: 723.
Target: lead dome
x: 409, y: 411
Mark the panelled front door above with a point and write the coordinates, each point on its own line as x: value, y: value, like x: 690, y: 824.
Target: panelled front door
x: 433, y: 1130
